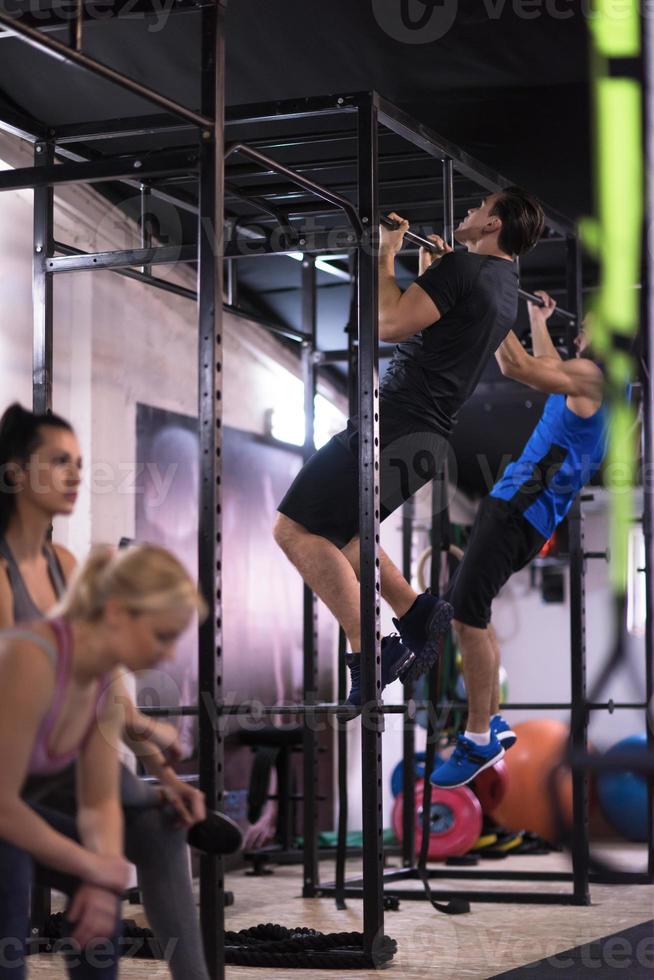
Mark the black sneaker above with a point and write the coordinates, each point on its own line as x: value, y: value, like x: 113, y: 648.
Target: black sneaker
x: 421, y: 629
x: 394, y: 658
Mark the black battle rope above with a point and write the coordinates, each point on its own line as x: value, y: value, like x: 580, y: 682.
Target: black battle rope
x: 440, y: 542
x: 274, y: 945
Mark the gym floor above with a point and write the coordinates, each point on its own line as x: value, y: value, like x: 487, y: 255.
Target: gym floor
x: 492, y: 939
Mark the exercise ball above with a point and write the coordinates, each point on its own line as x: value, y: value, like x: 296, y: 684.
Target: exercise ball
x: 491, y: 786
x: 455, y: 821
x: 623, y: 794
x: 528, y: 803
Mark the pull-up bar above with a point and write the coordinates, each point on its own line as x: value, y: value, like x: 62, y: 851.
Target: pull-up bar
x: 429, y: 245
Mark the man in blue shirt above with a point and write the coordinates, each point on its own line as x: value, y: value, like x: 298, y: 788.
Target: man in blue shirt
x: 521, y: 512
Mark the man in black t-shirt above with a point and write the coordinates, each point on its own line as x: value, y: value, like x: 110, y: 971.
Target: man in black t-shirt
x: 446, y: 325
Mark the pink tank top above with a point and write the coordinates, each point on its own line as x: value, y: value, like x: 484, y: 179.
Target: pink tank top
x: 42, y: 761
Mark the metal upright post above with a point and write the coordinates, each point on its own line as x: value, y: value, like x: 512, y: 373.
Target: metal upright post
x: 310, y: 618
x: 42, y: 286
x: 372, y: 721
x: 579, y: 712
x: 210, y: 267
x: 409, y: 730
x: 42, y: 350
x: 145, y: 199
x: 448, y: 201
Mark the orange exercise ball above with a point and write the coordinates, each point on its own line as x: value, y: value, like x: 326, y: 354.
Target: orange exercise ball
x: 528, y: 803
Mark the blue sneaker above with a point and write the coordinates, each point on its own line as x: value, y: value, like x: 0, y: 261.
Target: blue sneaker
x: 421, y: 629
x: 502, y: 731
x: 466, y: 762
x: 394, y: 655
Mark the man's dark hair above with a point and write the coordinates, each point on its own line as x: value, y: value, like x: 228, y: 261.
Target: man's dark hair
x: 522, y: 220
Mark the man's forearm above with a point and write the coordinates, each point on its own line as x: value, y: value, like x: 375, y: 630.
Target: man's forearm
x: 389, y: 291
x: 540, y: 337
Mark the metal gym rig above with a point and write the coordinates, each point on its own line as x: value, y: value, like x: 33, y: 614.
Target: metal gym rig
x: 377, y: 172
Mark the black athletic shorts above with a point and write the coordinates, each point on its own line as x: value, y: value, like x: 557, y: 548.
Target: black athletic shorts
x: 501, y: 542
x: 324, y: 497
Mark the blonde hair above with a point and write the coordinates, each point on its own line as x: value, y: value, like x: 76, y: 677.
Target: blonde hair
x: 145, y: 577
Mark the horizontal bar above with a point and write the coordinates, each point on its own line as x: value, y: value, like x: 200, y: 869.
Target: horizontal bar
x: 419, y: 895
x: 253, y: 112
x: 437, y: 146
x: 320, y: 242
x: 89, y: 261
x: 275, y: 192
x: 280, y: 329
x: 431, y: 247
x: 341, y: 356
x: 530, y: 297
x: 281, y: 709
x: 94, y: 171
x: 337, y: 163
x: 541, y: 705
x: 640, y: 762
x: 143, y: 277
x: 409, y: 708
x: 411, y: 874
x: 308, y: 709
x: 310, y: 185
x: 183, y: 202
x: 25, y: 128
x: 112, y: 128
x: 61, y: 52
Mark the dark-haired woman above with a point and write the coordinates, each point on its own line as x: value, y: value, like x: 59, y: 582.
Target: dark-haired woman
x: 40, y: 472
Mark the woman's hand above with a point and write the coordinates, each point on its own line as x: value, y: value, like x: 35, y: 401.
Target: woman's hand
x: 94, y: 913
x: 262, y: 832
x: 188, y: 801
x: 110, y: 871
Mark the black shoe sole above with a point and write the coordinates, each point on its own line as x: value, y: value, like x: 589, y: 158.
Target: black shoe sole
x: 437, y: 627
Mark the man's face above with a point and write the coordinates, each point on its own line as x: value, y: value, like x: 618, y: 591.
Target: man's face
x: 478, y: 222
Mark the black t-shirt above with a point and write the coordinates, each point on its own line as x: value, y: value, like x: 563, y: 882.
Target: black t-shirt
x: 432, y: 374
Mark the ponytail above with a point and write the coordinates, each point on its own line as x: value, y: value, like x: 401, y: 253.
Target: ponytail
x: 19, y: 438
x: 145, y: 577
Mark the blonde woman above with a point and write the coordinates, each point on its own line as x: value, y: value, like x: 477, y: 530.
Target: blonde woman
x: 126, y: 609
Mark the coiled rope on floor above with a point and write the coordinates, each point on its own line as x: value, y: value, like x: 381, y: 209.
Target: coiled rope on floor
x: 274, y: 945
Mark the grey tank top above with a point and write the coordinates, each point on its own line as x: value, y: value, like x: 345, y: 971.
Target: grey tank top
x: 24, y: 607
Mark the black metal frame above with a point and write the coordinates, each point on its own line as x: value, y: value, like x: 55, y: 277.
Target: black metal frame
x: 374, y: 117
x: 207, y: 162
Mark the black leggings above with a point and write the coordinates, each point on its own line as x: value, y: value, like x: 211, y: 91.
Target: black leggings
x: 98, y: 961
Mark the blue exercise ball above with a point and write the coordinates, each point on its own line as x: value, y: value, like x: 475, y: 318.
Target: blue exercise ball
x: 623, y: 795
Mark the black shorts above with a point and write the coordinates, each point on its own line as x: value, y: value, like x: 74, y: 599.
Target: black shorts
x: 501, y: 542
x: 324, y: 497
